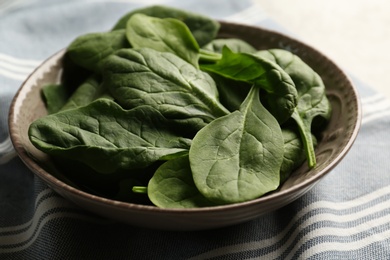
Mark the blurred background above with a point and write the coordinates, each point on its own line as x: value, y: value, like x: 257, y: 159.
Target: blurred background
x: 354, y: 34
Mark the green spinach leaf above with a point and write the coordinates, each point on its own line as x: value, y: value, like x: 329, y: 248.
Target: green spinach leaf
x: 231, y: 92
x: 203, y: 28
x: 55, y: 96
x: 282, y: 94
x: 89, y: 50
x: 162, y: 80
x: 108, y: 138
x: 212, y: 52
x: 312, y: 100
x: 234, y: 44
x: 237, y: 157
x: 172, y: 186
x: 294, y: 152
x: 165, y: 35
x: 90, y: 90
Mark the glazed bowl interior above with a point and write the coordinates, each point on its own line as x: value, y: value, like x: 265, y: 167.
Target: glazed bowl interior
x: 333, y: 145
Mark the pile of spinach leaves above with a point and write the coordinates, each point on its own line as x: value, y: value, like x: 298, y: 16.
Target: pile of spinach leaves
x: 160, y: 106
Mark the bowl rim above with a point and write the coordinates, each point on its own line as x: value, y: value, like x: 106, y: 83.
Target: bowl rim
x: 48, y: 178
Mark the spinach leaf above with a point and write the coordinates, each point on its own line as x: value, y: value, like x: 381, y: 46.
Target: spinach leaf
x: 231, y: 92
x: 134, y: 114
x: 294, y: 152
x: 237, y: 157
x: 312, y: 100
x: 249, y: 68
x: 165, y: 35
x: 203, y: 28
x: 88, y: 51
x: 172, y: 186
x: 55, y: 96
x: 90, y: 90
x: 72, y: 75
x: 212, y: 51
x: 108, y: 138
x: 234, y: 44
x: 162, y: 80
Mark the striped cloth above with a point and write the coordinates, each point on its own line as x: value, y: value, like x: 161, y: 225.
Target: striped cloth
x: 346, y: 216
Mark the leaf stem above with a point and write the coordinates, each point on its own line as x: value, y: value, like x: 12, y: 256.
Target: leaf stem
x: 307, y: 140
x: 209, y: 56
x: 140, y: 189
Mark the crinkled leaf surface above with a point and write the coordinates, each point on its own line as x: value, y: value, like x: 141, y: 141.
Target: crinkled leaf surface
x: 107, y: 138
x: 162, y: 80
x: 237, y: 157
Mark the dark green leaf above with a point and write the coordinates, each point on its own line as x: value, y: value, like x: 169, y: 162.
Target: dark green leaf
x: 203, y: 28
x: 107, y: 138
x: 88, y: 51
x: 164, y: 35
x: 162, y: 80
x: 231, y: 92
x: 234, y: 44
x: 55, y: 96
x: 294, y: 153
x: 261, y: 72
x: 90, y: 90
x: 312, y: 100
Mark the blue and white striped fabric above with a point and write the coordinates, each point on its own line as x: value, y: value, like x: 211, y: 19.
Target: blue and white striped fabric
x: 346, y: 216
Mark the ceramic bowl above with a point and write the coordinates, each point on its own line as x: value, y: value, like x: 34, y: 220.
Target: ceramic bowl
x: 334, y: 144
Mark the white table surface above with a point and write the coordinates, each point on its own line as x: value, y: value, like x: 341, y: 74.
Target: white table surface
x: 354, y: 34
